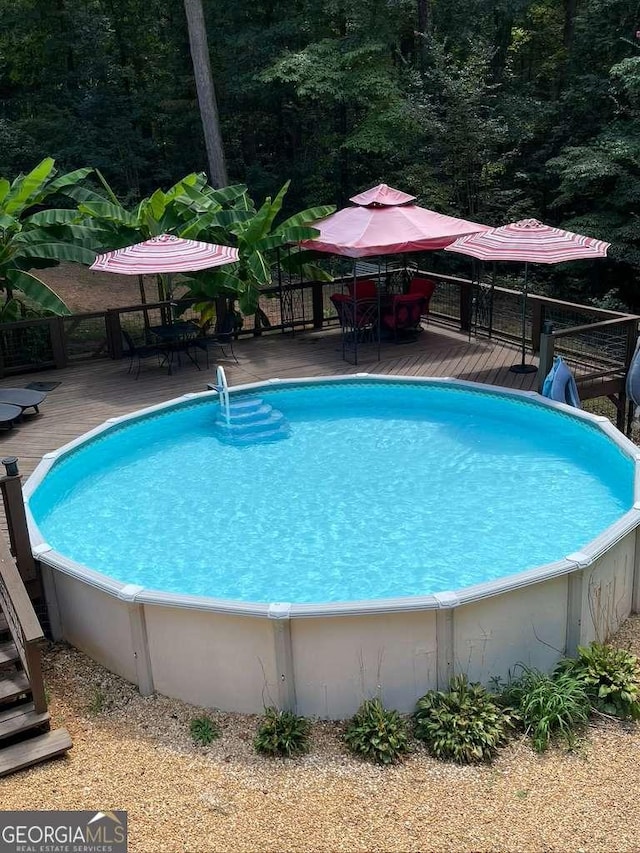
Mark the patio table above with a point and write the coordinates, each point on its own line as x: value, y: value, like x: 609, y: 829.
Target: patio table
x: 177, y: 338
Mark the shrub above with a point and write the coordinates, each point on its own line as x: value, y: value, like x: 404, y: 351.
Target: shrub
x: 463, y: 724
x: 203, y: 730
x: 548, y: 706
x: 610, y: 677
x: 377, y: 734
x: 282, y: 733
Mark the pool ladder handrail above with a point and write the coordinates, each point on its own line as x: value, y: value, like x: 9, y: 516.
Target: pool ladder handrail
x: 222, y: 388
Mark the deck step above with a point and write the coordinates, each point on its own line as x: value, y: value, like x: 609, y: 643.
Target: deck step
x: 13, y: 686
x: 8, y: 653
x: 34, y: 750
x: 21, y: 718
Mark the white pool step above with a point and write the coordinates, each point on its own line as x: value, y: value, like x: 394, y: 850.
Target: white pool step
x: 251, y: 421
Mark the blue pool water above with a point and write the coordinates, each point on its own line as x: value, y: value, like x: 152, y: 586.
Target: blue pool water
x: 381, y: 490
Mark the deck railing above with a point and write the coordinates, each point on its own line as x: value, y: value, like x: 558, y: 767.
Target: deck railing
x: 23, y: 624
x: 291, y: 306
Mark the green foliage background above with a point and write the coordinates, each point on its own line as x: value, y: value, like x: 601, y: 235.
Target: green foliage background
x: 490, y: 109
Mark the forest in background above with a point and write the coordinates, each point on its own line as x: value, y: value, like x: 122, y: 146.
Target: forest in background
x: 493, y: 111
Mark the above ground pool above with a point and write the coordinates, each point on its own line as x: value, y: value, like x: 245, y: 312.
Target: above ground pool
x: 480, y: 518
x: 376, y: 490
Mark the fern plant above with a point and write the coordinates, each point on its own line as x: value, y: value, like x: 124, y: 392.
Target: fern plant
x: 610, y: 677
x: 282, y: 733
x: 548, y: 706
x: 463, y: 724
x: 377, y: 733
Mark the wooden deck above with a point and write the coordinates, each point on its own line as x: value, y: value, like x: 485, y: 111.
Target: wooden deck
x: 93, y: 391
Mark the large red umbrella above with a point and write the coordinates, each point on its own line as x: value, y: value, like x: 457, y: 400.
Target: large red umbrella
x: 386, y: 221
x: 529, y: 241
x: 165, y: 254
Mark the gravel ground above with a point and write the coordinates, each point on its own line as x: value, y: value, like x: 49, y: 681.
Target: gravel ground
x: 135, y: 753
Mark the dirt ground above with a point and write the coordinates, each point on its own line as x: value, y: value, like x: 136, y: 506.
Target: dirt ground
x: 84, y: 290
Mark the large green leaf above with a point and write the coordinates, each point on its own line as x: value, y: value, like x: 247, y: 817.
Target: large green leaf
x: 86, y: 196
x: 58, y: 252
x: 52, y: 217
x: 259, y: 268
x: 9, y: 222
x: 157, y: 204
x: 307, y: 217
x: 5, y: 186
x: 37, y: 290
x: 196, y: 180
x: 111, y: 212
x: 59, y: 185
x: 264, y: 218
x: 25, y: 187
x: 212, y: 284
x: 290, y: 235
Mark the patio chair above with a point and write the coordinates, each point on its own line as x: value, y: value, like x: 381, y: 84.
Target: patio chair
x: 359, y: 322
x: 365, y: 289
x: 142, y: 351
x: 423, y: 287
x: 220, y: 340
x: 402, y: 316
x: 24, y: 398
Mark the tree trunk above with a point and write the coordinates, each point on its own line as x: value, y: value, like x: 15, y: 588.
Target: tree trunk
x: 424, y: 31
x: 206, y: 92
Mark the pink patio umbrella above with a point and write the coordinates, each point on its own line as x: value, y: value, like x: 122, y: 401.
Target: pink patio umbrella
x: 529, y: 241
x: 165, y: 254
x: 386, y: 221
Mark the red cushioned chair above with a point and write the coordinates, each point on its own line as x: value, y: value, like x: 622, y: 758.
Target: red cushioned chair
x: 402, y: 316
x: 355, y: 315
x: 424, y: 287
x: 365, y: 289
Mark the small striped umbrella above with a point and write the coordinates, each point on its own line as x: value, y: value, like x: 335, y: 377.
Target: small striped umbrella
x: 529, y: 241
x: 165, y: 254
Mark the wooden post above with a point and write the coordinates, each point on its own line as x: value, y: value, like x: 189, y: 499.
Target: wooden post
x: 317, y: 304
x: 58, y: 344
x: 17, y: 519
x: 547, y: 344
x: 537, y: 320
x: 114, y: 332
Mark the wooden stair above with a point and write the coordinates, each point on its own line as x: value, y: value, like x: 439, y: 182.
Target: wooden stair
x: 25, y: 735
x: 33, y: 751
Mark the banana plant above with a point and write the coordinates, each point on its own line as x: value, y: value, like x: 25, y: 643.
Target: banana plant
x: 34, y: 239
x: 170, y: 212
x: 258, y: 239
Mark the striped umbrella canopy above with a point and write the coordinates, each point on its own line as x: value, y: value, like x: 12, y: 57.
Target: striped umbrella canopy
x: 165, y: 254
x: 529, y: 241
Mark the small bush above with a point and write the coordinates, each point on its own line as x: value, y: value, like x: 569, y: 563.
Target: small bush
x: 203, y: 730
x: 282, y: 733
x: 377, y: 734
x: 610, y: 677
x: 548, y: 706
x: 464, y: 724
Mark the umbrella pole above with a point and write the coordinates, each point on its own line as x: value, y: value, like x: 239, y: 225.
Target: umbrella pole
x: 523, y: 367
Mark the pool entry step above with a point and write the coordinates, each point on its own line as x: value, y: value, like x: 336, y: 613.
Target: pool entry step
x: 250, y: 421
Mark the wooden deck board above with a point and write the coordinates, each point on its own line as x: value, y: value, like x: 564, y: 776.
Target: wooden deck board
x: 93, y: 391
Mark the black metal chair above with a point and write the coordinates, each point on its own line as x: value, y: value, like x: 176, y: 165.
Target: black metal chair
x: 141, y: 351
x: 220, y: 340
